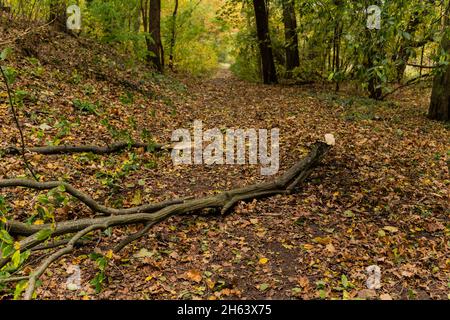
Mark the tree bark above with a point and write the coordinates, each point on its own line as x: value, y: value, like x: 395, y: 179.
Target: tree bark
x: 173, y: 36
x: 291, y: 37
x: 440, y: 96
x: 58, y: 14
x: 269, y: 73
x: 154, y: 44
x: 71, y: 149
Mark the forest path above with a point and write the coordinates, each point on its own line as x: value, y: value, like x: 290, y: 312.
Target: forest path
x: 356, y: 210
x: 379, y: 193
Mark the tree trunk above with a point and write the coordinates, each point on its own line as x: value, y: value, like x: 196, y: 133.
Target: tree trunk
x: 440, y: 96
x: 154, y: 44
x: 291, y: 37
x: 269, y: 72
x: 337, y: 52
x: 404, y: 52
x: 374, y: 54
x: 173, y: 35
x: 58, y: 14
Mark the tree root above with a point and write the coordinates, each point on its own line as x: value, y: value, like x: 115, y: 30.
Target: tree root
x: 224, y: 201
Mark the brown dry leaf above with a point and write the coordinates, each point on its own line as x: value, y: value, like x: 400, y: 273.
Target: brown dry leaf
x: 303, y: 282
x: 330, y: 248
x: 367, y: 294
x: 193, y: 275
x: 434, y: 226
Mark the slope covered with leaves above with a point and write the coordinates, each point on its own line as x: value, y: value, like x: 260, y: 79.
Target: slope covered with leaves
x: 381, y: 196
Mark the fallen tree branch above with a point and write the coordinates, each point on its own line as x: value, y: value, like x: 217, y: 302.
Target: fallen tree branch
x: 70, y: 149
x: 421, y: 66
x: 86, y: 199
x: 133, y: 237
x: 408, y: 83
x: 224, y: 201
x: 35, y: 275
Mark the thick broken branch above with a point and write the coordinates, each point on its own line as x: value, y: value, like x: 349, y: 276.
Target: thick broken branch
x: 86, y: 199
x: 70, y: 149
x: 287, y: 181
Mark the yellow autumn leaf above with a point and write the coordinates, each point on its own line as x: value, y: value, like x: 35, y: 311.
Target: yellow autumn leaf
x: 391, y: 229
x: 263, y: 260
x: 39, y: 222
x: 148, y: 278
x: 210, y: 283
x: 323, y: 241
x: 308, y: 246
x: 137, y: 199
x: 17, y: 245
x: 109, y: 254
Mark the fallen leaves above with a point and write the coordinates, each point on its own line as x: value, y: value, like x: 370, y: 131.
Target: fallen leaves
x: 391, y: 229
x: 193, y: 275
x: 381, y: 198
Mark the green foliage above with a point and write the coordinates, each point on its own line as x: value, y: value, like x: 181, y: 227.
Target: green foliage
x: 127, y: 98
x: 102, y: 262
x: 19, y: 97
x: 5, y: 53
x: 113, y: 177
x: 9, y: 247
x: 201, y: 38
x: 47, y: 203
x: 246, y: 57
x: 86, y: 106
x: 64, y: 128
x: 116, y: 22
x: 373, y: 58
x: 116, y: 134
x: 75, y: 77
x: 10, y: 74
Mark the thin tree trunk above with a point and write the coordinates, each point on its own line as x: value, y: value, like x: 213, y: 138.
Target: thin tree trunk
x: 58, y: 14
x: 154, y: 43
x: 265, y: 46
x: 421, y: 60
x: 173, y: 35
x: 291, y: 37
x: 337, y: 63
